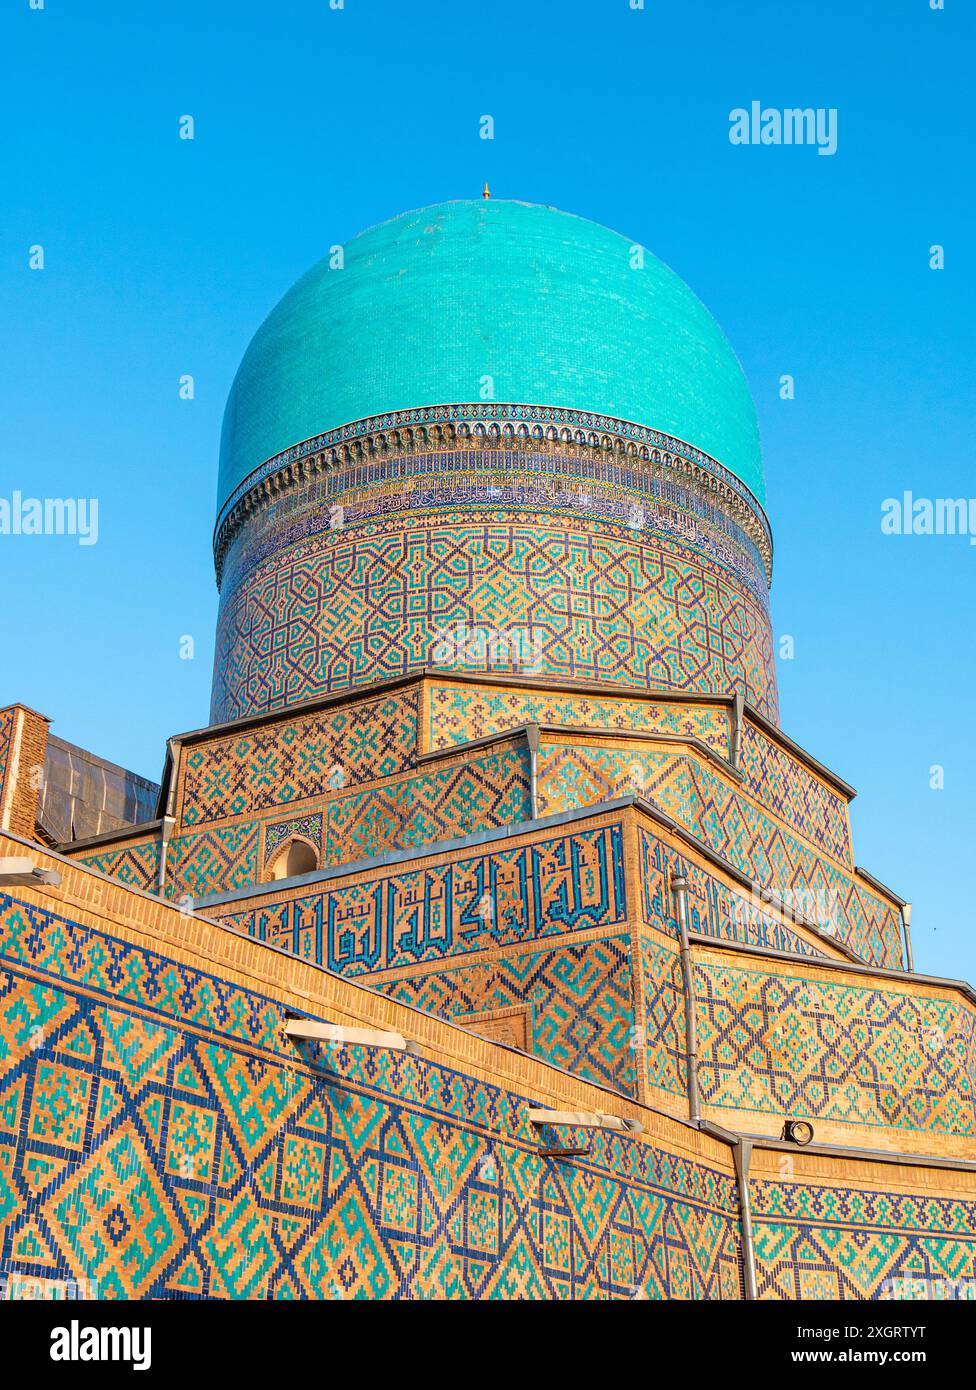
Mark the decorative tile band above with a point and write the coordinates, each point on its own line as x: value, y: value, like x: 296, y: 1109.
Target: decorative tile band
x: 645, y: 503
x: 157, y: 1140
x: 578, y: 998
x: 714, y: 909
x: 568, y: 883
x: 457, y: 713
x: 310, y: 755
x: 716, y: 813
x: 839, y: 1241
x: 784, y: 1042
x: 560, y: 600
x: 137, y: 865
x: 491, y: 423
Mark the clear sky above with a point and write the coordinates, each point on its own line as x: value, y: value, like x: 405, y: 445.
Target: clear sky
x: 162, y: 256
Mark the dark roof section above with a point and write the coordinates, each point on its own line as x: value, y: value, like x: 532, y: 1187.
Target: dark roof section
x: 85, y: 795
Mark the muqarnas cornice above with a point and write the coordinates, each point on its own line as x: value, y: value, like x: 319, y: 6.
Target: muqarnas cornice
x: 494, y: 425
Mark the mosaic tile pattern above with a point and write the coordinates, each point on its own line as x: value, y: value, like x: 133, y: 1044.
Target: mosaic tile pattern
x: 197, y: 863
x: 832, y: 1242
x: 804, y: 1045
x: 340, y: 610
x: 579, y: 999
x: 307, y: 827
x: 664, y: 1051
x: 159, y: 1137
x: 489, y: 790
x: 545, y: 436
x: 714, y: 909
x: 259, y: 769
x: 461, y: 712
x: 648, y: 500
x: 503, y: 897
x: 781, y: 783
x: 399, y: 813
x: 137, y: 865
x: 713, y: 810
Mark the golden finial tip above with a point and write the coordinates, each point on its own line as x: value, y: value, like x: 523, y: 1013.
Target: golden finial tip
x: 486, y: 191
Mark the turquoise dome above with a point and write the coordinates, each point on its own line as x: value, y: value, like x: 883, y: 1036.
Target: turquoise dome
x: 543, y: 302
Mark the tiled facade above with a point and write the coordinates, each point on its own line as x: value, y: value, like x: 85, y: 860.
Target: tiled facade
x: 488, y: 678
x: 159, y: 1137
x: 579, y: 772
x: 810, y: 1043
x: 570, y: 562
x: 894, y: 1233
x: 258, y: 770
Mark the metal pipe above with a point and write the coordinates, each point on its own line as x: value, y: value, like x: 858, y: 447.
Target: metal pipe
x: 166, y: 830
x: 906, y: 921
x: 532, y: 740
x: 738, y: 714
x: 742, y: 1157
x: 679, y: 886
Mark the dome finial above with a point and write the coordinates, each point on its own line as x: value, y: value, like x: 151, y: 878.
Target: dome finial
x: 486, y: 191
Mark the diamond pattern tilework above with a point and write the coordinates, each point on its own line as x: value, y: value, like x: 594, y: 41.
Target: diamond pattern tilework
x: 343, y: 609
x: 461, y: 712
x: 179, y: 1159
x: 488, y: 790
x: 801, y: 1045
x: 294, y: 759
x: 713, y: 810
x: 844, y: 1243
x: 777, y: 779
x: 580, y: 999
x: 714, y: 909
x: 137, y: 865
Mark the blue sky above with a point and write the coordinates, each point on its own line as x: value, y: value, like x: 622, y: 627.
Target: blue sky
x: 162, y: 257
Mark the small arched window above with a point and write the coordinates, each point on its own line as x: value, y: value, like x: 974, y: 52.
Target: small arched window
x: 294, y: 858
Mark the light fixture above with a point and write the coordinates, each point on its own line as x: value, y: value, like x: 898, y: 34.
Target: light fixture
x: 341, y: 1035
x: 19, y: 870
x: 797, y: 1131
x: 585, y: 1119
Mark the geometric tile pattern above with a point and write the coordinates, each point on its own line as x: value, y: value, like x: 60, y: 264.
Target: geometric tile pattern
x: 664, y: 1014
x: 346, y: 608
x: 844, y: 1243
x: 298, y: 758
x: 540, y: 475
x: 199, y: 861
x: 715, y: 909
x: 801, y: 1045
x: 715, y: 811
x: 779, y: 781
x: 461, y: 712
x: 409, y: 810
x: 579, y: 998
x: 567, y: 883
x: 772, y: 776
x: 307, y: 827
x: 160, y: 1138
x: 137, y: 865
x: 472, y: 794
